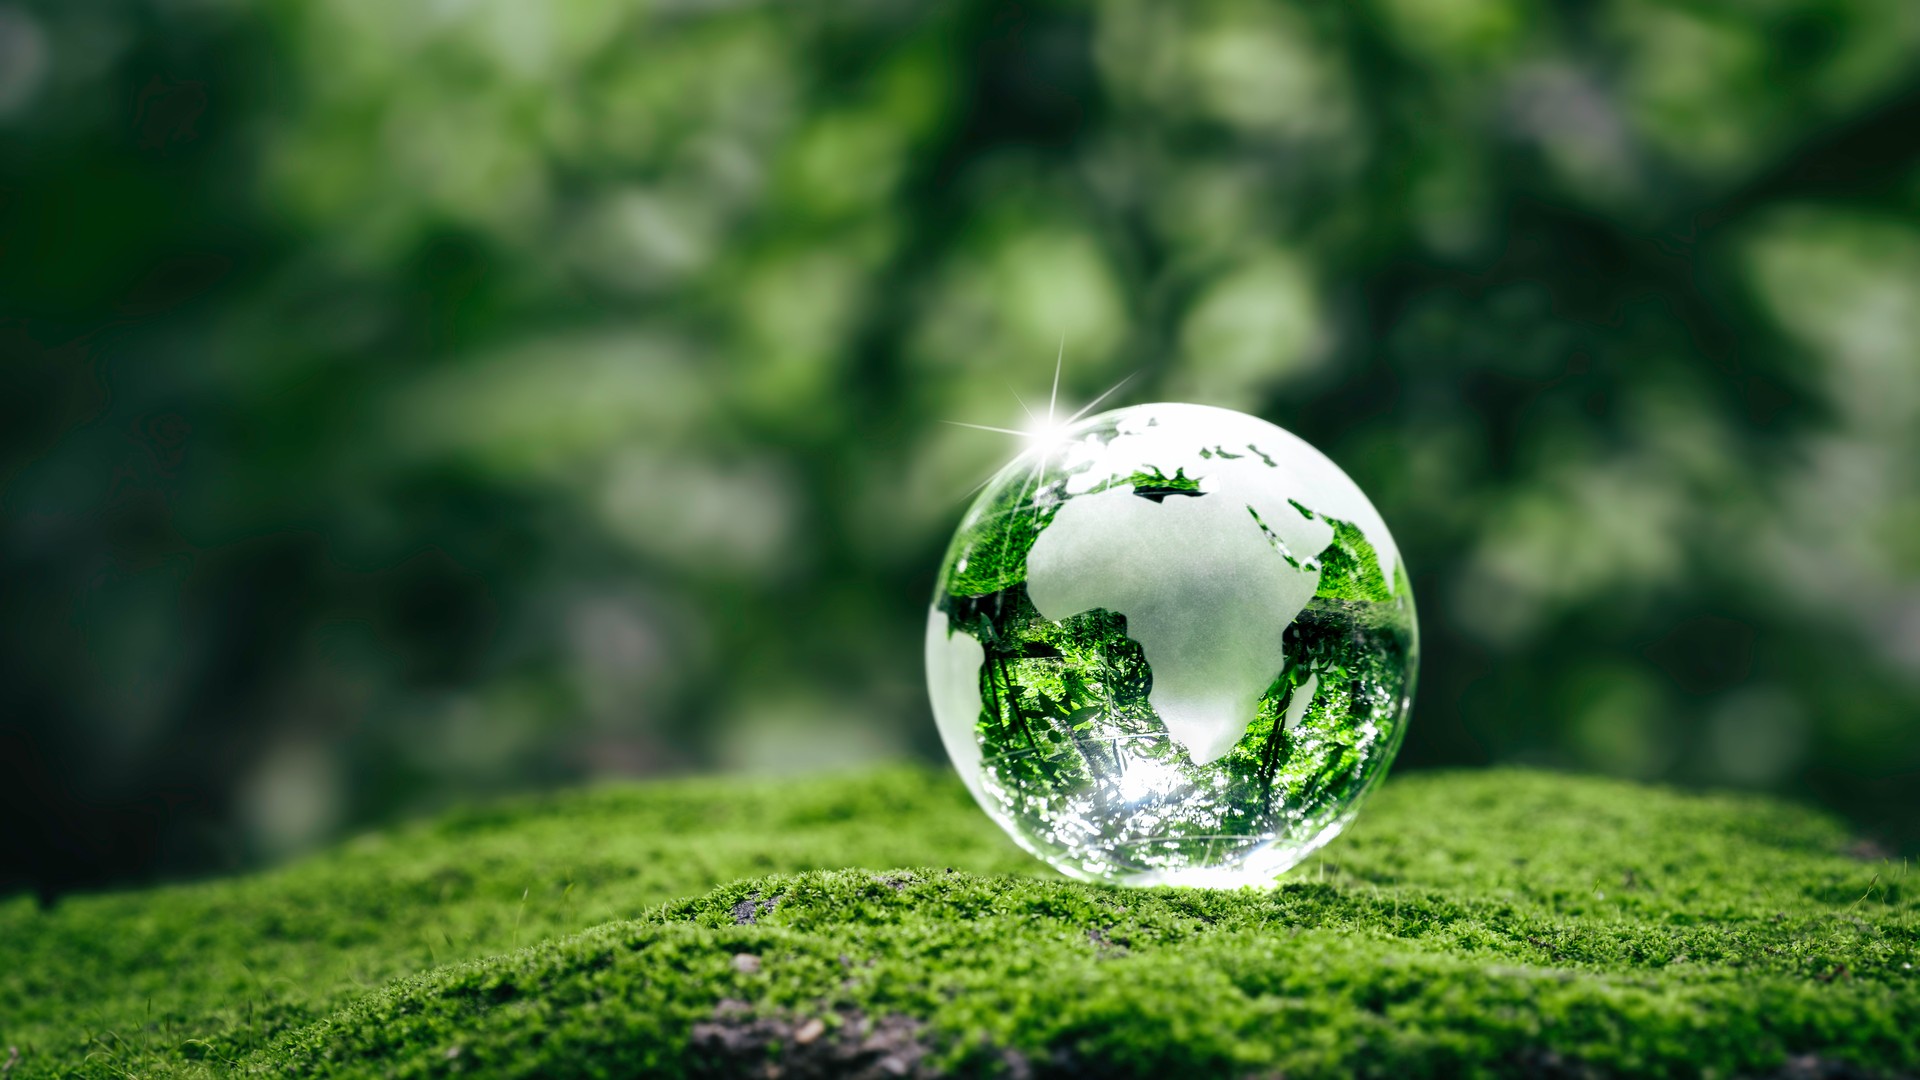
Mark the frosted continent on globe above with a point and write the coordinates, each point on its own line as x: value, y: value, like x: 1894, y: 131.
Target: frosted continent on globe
x: 1173, y: 644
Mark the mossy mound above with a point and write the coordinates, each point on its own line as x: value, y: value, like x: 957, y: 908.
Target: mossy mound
x: 138, y: 982
x: 1499, y: 922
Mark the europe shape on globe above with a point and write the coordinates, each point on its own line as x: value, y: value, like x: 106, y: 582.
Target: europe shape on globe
x: 1171, y: 644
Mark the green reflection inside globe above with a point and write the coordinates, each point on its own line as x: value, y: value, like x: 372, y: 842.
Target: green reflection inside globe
x: 1171, y: 644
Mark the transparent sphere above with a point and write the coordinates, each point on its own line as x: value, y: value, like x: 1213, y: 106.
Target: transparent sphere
x: 1173, y: 644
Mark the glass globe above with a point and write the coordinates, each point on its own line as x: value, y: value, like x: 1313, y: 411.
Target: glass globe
x: 1171, y: 644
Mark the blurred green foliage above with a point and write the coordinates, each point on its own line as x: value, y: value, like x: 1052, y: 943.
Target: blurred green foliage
x: 403, y: 401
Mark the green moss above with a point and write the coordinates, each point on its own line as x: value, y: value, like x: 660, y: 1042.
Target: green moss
x: 124, y: 982
x: 1487, y: 923
x: 1156, y: 485
x: 1350, y: 567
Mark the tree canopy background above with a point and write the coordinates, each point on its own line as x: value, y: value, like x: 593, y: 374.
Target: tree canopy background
x: 401, y: 402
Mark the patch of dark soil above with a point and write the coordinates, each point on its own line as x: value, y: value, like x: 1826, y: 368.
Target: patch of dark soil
x: 1815, y: 1067
x: 1107, y: 946
x: 1867, y: 849
x: 748, y: 911
x: 850, y: 1045
x: 1551, y: 1065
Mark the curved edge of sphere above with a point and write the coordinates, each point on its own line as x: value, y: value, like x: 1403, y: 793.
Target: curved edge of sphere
x: 1235, y: 458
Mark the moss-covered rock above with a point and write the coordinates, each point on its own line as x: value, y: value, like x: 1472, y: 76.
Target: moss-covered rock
x: 1498, y: 922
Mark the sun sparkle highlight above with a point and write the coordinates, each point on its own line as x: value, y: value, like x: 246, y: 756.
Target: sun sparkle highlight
x: 1049, y: 432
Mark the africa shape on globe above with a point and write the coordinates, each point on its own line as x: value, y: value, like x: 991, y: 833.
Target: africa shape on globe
x: 1173, y: 644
